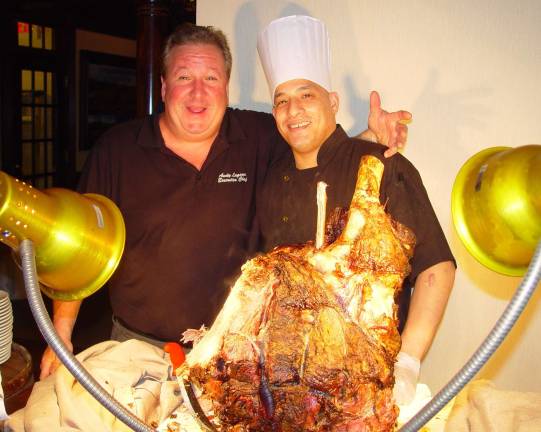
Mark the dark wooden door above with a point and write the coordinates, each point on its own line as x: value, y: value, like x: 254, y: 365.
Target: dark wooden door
x: 35, y: 117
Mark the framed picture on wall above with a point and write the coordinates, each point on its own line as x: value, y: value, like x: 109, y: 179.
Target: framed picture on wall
x: 107, y: 94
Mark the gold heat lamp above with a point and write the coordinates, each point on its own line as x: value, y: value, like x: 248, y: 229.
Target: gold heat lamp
x: 496, y: 206
x: 71, y: 244
x: 78, y: 239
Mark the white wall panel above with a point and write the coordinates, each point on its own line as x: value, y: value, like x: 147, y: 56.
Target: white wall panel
x: 471, y: 74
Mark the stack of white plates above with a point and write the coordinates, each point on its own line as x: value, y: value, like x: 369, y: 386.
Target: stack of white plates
x: 6, y: 326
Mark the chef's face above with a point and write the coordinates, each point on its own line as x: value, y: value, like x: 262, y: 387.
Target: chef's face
x: 305, y: 115
x: 195, y: 90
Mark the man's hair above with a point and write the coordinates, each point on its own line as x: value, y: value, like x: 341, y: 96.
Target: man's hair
x: 188, y: 33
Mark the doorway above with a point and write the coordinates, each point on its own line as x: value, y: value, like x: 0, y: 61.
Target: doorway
x: 34, y: 115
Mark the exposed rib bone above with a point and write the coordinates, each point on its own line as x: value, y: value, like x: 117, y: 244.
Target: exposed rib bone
x: 321, y: 198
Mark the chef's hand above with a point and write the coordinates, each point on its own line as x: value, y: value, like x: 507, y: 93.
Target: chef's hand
x: 49, y: 361
x: 386, y: 128
x: 406, y: 375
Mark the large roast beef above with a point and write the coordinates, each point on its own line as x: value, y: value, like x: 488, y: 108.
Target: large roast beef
x: 308, y: 336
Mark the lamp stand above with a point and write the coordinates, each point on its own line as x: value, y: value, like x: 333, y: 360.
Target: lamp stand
x: 41, y: 316
x: 494, y: 339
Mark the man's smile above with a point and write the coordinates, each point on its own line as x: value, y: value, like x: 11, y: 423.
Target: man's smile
x: 299, y: 125
x: 196, y: 110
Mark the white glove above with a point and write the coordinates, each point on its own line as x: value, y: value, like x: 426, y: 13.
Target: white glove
x: 406, y: 375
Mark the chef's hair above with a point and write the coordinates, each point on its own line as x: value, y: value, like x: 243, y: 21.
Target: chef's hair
x: 188, y: 34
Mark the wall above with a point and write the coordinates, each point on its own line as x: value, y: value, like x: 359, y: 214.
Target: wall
x: 469, y: 72
x: 102, y: 43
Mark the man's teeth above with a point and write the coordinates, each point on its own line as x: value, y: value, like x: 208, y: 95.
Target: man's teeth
x: 299, y: 125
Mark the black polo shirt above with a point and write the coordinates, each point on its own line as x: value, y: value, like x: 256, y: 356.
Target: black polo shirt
x: 188, y: 231
x: 287, y: 208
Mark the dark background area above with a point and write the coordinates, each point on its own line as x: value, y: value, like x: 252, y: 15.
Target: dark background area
x: 110, y: 17
x: 113, y: 17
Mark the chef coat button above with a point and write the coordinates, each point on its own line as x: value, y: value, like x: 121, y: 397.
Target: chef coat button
x: 285, y: 178
x: 285, y: 219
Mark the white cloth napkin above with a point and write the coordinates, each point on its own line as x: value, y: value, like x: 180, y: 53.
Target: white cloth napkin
x: 136, y: 373
x: 481, y: 407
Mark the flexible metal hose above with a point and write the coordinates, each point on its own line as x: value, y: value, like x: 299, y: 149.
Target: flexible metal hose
x: 486, y: 349
x: 26, y: 252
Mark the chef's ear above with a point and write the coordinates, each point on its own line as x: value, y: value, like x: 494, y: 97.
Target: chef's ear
x: 335, y: 101
x: 273, y: 110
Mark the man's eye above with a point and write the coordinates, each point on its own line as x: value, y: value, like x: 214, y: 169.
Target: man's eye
x: 212, y: 78
x: 280, y: 102
x: 306, y: 95
x: 183, y: 78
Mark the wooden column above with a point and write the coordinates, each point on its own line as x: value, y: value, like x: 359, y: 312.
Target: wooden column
x: 152, y: 28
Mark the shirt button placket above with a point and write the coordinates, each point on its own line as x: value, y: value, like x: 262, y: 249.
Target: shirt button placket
x: 285, y: 179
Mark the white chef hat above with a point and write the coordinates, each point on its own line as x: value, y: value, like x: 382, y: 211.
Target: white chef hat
x: 295, y: 47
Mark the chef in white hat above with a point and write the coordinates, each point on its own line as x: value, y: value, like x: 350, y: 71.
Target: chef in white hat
x: 298, y: 46
x: 295, y: 55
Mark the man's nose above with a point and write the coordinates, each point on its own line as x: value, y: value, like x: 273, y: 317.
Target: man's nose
x: 197, y: 87
x: 295, y: 107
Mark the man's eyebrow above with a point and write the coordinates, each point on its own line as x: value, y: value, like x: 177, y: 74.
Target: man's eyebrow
x: 178, y: 68
x: 214, y: 69
x: 298, y: 89
x: 181, y: 67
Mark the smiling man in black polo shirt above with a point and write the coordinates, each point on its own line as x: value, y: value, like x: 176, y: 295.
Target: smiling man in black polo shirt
x: 185, y: 182
x: 294, y: 52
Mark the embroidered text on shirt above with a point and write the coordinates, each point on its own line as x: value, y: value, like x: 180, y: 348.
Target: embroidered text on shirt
x: 233, y: 178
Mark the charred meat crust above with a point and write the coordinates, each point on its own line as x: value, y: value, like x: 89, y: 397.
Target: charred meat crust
x: 308, y: 337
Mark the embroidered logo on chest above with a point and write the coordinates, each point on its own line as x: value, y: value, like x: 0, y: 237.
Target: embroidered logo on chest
x: 233, y: 178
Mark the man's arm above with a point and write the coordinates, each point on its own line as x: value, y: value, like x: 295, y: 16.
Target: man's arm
x: 64, y: 317
x: 389, y: 129
x: 432, y: 289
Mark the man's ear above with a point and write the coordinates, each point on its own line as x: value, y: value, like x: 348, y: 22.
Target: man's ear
x: 163, y: 89
x: 335, y: 101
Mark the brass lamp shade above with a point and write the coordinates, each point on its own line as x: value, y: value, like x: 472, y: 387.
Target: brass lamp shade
x: 496, y: 206
x: 78, y: 239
